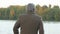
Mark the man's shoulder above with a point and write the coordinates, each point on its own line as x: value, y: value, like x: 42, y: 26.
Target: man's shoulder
x: 37, y: 16
x: 23, y: 14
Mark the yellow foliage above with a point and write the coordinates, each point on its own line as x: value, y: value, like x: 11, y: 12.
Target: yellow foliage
x: 12, y: 12
x: 41, y: 10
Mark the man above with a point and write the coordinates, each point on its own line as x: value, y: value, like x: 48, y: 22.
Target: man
x: 30, y: 23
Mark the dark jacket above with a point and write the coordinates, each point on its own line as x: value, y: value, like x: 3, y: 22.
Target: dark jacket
x: 29, y: 23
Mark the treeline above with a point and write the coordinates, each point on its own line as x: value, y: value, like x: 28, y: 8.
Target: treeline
x: 11, y: 13
x: 47, y: 13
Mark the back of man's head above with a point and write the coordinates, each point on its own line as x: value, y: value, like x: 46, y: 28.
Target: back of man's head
x: 30, y: 8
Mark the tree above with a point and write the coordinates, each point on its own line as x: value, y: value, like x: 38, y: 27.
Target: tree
x: 12, y: 13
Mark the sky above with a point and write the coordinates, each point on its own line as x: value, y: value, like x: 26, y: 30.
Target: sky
x: 7, y: 3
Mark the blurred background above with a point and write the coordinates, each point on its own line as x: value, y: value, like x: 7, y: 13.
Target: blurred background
x: 49, y: 10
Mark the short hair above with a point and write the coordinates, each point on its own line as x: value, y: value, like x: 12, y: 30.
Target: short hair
x: 30, y: 7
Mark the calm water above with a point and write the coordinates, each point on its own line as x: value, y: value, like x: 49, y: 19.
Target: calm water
x: 6, y: 27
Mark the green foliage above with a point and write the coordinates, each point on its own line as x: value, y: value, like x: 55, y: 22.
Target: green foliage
x: 47, y: 13
x: 52, y: 15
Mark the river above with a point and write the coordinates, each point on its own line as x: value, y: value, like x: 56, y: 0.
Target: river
x: 6, y: 27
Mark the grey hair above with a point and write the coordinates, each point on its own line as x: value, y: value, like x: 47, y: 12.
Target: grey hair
x: 30, y: 8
